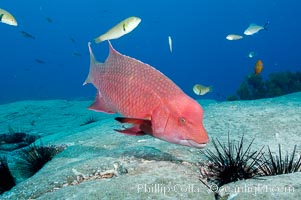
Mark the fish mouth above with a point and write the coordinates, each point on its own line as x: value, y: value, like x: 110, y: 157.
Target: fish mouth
x: 192, y: 143
x: 196, y: 145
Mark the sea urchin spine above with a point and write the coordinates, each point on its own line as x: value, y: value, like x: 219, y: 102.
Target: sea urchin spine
x: 7, y: 181
x: 34, y: 157
x: 230, y: 163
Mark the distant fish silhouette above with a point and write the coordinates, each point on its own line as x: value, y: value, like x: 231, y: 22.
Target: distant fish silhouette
x: 48, y: 19
x: 74, y: 53
x: 40, y: 61
x: 27, y: 35
x: 73, y: 40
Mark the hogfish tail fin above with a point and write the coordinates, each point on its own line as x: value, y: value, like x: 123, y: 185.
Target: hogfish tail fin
x: 93, y: 65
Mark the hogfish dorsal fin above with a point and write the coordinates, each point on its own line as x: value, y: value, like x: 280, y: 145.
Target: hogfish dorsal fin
x: 93, y: 64
x: 112, y: 50
x: 92, y: 57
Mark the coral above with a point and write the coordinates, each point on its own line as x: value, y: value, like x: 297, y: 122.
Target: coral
x: 7, y: 181
x: 274, y: 165
x: 34, y: 157
x: 229, y: 163
x: 252, y: 88
x: 281, y: 83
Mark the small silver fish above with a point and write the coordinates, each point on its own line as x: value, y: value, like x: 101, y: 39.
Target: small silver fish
x: 233, y: 37
x: 251, y: 54
x: 254, y: 28
x: 170, y: 44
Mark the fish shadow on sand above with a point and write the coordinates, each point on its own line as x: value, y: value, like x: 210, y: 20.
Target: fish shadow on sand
x: 142, y: 152
x: 148, y: 153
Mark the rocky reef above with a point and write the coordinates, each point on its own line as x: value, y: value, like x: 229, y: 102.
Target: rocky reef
x: 277, y: 84
x: 99, y: 163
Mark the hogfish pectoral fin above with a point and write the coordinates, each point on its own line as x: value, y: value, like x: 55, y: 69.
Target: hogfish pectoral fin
x: 134, y: 131
x: 100, y: 105
x: 141, y: 126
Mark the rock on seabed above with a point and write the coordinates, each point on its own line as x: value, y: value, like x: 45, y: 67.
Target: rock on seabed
x: 99, y: 163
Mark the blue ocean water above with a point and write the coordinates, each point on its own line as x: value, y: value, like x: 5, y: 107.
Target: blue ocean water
x: 55, y: 63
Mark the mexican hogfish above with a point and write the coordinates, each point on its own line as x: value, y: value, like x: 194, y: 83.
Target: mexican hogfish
x: 147, y: 99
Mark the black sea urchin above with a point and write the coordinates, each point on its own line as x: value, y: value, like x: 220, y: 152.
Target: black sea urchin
x: 229, y: 163
x: 15, y: 140
x: 274, y: 165
x: 34, y: 157
x: 7, y: 181
x: 91, y: 119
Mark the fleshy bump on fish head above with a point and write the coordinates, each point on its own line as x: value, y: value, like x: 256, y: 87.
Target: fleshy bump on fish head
x: 181, y: 124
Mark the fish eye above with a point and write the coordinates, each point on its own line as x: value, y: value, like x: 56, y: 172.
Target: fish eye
x: 182, y: 120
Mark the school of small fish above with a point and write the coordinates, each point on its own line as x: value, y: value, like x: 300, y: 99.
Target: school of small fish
x: 7, y: 18
x: 164, y: 121
x: 250, y: 30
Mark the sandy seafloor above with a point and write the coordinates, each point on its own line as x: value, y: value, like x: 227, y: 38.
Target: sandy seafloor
x: 144, y: 167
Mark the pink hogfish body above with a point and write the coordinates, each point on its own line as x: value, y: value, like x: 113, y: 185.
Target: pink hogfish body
x: 147, y: 99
